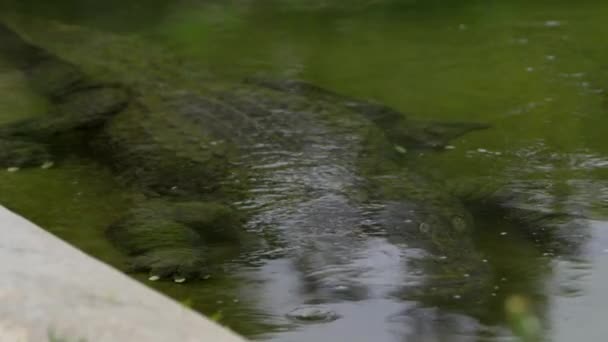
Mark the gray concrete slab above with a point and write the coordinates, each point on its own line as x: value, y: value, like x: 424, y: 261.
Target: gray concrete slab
x: 51, y: 291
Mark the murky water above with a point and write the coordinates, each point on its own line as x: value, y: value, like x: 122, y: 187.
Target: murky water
x: 534, y: 70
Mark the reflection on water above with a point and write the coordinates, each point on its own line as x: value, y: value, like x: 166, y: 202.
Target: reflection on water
x: 534, y: 71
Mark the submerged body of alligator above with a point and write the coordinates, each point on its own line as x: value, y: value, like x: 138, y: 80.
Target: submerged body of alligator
x: 317, y: 171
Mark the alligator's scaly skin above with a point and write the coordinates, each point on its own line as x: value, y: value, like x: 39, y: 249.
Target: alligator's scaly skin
x: 316, y: 170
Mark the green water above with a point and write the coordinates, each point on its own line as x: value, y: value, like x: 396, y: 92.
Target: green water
x: 534, y: 70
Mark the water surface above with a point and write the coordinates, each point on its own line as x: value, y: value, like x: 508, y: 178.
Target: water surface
x: 534, y: 70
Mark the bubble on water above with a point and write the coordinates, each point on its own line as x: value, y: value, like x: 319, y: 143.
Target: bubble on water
x: 573, y: 75
x: 400, y: 149
x: 424, y: 227
x: 553, y: 23
x: 341, y: 288
x: 47, y: 165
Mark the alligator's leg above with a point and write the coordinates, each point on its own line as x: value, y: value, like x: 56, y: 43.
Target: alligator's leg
x: 75, y: 100
x: 400, y: 128
x: 172, y: 240
x: 16, y: 153
x: 47, y: 74
x: 82, y: 109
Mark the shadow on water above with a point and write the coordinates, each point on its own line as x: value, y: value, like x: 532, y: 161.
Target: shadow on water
x: 532, y: 69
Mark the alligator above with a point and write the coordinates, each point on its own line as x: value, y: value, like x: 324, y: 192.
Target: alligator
x: 310, y: 167
x: 260, y: 153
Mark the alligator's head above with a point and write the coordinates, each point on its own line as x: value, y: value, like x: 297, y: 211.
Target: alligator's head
x: 452, y: 267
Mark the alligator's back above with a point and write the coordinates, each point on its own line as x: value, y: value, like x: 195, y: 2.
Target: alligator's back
x: 317, y: 172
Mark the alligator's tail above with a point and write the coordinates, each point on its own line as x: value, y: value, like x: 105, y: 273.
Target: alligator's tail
x: 47, y: 74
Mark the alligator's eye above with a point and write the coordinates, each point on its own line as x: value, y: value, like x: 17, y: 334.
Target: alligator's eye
x: 459, y: 224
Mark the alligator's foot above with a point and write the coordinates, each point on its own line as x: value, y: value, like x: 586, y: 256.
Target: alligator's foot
x: 16, y: 154
x: 173, y: 240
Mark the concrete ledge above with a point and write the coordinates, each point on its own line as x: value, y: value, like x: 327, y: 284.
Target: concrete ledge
x: 50, y: 291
